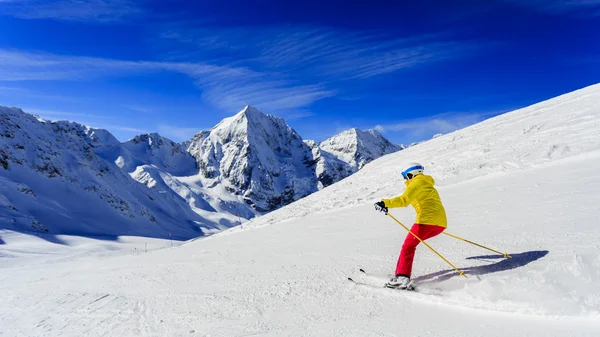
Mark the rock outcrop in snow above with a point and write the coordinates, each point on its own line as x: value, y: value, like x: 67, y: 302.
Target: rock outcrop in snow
x: 256, y: 156
x: 347, y: 152
x: 262, y: 159
x: 328, y: 168
x: 357, y: 147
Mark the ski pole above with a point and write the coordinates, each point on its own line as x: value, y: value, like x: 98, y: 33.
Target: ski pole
x: 460, y: 272
x: 478, y: 245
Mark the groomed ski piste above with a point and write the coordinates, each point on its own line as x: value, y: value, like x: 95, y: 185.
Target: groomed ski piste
x: 526, y: 183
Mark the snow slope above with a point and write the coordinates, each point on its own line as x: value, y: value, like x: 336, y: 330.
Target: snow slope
x: 163, y: 153
x: 526, y: 183
x: 563, y: 127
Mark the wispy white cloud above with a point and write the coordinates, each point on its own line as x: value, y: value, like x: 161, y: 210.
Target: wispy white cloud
x: 71, y: 10
x: 13, y: 92
x: 292, y: 115
x: 18, y: 66
x: 423, y: 128
x: 21, y: 66
x: 177, y: 133
x: 344, y: 54
x: 137, y: 108
x: 278, y: 69
x: 226, y: 87
x: 267, y: 95
x: 123, y: 128
x: 318, y: 58
x: 323, y: 53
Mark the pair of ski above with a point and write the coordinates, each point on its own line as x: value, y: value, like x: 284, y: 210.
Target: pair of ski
x: 410, y: 287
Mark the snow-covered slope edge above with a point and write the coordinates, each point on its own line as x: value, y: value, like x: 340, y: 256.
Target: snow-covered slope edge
x: 544, y: 132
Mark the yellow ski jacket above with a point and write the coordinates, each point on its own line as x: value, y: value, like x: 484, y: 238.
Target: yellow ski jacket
x: 425, y: 199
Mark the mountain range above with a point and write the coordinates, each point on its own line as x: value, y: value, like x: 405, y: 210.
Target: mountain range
x: 67, y: 178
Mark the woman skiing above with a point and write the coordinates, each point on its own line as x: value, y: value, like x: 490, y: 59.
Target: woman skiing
x: 431, y: 218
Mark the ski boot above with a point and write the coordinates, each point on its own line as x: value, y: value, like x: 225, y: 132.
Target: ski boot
x: 400, y: 282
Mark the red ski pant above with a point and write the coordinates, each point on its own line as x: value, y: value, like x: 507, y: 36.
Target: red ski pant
x: 407, y: 254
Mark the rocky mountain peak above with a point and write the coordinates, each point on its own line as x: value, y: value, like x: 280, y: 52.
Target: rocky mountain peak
x: 257, y: 156
x: 357, y: 147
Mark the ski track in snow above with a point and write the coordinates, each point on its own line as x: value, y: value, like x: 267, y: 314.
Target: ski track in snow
x: 525, y: 183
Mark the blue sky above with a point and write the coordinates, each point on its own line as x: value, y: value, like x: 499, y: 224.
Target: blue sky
x: 411, y: 69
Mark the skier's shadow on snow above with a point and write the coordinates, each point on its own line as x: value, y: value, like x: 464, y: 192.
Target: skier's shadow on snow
x: 517, y: 260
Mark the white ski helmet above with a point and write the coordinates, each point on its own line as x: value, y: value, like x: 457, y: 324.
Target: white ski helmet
x: 412, y: 170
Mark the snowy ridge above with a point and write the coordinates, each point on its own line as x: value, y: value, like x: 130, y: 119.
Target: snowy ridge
x: 329, y: 169
x: 264, y: 162
x: 62, y: 177
x: 163, y: 153
x: 347, y: 152
x: 247, y: 165
x: 256, y: 156
x: 357, y: 147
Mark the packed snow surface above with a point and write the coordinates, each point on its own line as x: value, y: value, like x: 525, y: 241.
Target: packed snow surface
x: 526, y: 183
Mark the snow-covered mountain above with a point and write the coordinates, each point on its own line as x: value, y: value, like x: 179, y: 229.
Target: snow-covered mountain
x: 357, y: 147
x: 247, y: 165
x: 347, y: 152
x: 63, y: 177
x: 256, y: 156
x: 262, y: 159
x: 526, y: 183
x: 328, y: 168
x: 165, y: 154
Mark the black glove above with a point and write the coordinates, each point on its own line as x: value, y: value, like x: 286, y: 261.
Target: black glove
x: 380, y: 206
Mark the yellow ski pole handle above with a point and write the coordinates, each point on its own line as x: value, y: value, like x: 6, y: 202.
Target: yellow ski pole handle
x: 460, y: 272
x: 478, y: 245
